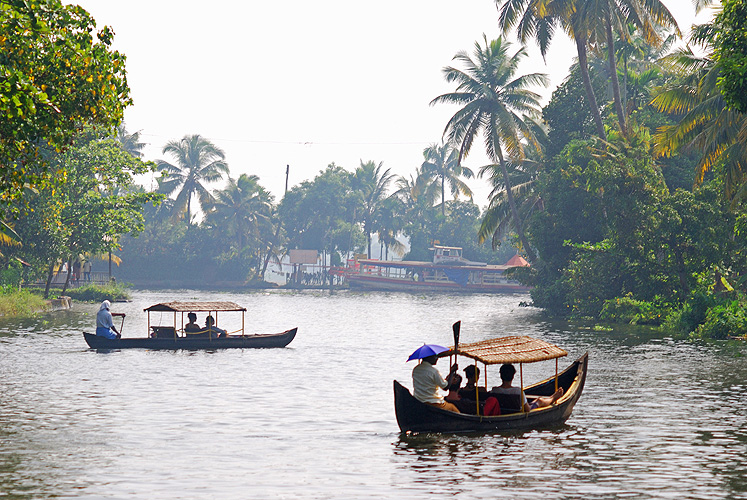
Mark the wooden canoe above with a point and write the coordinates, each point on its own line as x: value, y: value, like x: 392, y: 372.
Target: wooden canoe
x: 414, y: 416
x: 229, y: 342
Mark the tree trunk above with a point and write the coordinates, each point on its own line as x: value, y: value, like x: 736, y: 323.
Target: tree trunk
x: 67, y: 278
x: 584, y: 67
x: 50, y: 276
x: 613, y: 77
x: 443, y: 195
x: 514, y: 212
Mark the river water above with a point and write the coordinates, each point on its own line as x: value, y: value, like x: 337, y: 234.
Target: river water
x: 658, y: 418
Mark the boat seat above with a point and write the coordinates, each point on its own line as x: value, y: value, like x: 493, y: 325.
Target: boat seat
x: 509, y: 403
x: 162, y: 332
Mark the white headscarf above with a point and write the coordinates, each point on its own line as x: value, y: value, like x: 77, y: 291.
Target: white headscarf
x: 105, y: 305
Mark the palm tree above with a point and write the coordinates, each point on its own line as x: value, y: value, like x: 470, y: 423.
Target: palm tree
x: 130, y: 142
x: 198, y: 161
x: 243, y: 209
x: 442, y: 163
x: 497, y: 219
x: 496, y: 103
x: 540, y: 19
x: 588, y: 22
x: 371, y: 183
x: 707, y: 124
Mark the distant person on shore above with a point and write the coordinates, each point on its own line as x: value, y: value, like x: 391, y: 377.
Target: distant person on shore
x: 192, y: 327
x: 426, y: 382
x: 87, y: 266
x: 105, y: 323
x: 76, y: 270
x: 507, y: 372
x: 213, y: 330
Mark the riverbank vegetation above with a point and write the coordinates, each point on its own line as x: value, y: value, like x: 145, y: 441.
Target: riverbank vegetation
x: 625, y: 191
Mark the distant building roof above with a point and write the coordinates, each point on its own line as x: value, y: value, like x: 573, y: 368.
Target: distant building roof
x: 517, y: 261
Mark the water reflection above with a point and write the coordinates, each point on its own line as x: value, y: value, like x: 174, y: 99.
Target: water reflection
x: 658, y: 418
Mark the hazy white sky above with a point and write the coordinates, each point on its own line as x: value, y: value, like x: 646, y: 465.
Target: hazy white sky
x: 302, y: 83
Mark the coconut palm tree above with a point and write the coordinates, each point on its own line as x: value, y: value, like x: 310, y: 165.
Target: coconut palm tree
x: 130, y: 142
x: 495, y: 102
x: 371, y: 184
x: 198, y: 161
x: 242, y: 209
x: 588, y: 22
x: 707, y: 124
x: 442, y: 164
x: 540, y: 19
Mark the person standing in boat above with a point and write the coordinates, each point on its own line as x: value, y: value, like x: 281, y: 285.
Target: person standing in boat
x: 105, y: 322
x: 508, y: 371
x: 426, y: 382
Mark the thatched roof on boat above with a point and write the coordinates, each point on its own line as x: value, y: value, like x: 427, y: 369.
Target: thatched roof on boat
x: 195, y: 306
x: 509, y: 350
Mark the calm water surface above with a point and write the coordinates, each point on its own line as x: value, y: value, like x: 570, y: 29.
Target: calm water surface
x: 658, y: 418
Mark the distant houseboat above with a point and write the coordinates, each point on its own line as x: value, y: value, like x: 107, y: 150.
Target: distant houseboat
x: 449, y: 271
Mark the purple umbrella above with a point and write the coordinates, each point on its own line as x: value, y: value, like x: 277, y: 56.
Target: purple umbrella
x: 427, y: 350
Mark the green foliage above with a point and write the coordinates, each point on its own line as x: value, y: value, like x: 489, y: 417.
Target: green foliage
x: 56, y: 73
x: 723, y: 321
x: 730, y: 51
x: 98, y: 293
x: 635, y: 312
x: 21, y: 303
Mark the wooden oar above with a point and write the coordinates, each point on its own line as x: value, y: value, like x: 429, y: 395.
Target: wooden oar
x: 456, y: 327
x: 123, y: 317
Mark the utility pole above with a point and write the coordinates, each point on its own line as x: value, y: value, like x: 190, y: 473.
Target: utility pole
x: 277, y: 229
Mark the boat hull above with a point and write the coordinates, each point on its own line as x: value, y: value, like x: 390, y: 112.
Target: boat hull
x: 393, y: 284
x: 231, y: 342
x: 414, y: 416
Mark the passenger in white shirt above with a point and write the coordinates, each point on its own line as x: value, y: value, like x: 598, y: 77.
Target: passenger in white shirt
x: 426, y: 382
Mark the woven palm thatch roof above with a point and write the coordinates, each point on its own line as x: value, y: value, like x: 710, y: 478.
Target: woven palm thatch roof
x: 510, y: 350
x: 196, y: 307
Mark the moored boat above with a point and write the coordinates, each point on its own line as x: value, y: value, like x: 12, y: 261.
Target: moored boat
x: 415, y: 416
x: 449, y: 272
x: 173, y: 336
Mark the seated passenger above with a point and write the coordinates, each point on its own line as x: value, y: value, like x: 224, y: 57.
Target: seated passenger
x: 472, y: 372
x: 192, y: 327
x: 426, y: 382
x: 507, y: 372
x: 105, y: 322
x: 464, y: 405
x: 214, y: 330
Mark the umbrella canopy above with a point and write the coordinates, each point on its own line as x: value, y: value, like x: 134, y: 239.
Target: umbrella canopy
x: 427, y: 350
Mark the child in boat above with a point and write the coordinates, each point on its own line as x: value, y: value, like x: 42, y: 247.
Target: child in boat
x: 507, y: 372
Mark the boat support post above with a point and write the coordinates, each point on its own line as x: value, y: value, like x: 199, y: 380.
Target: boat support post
x: 521, y: 382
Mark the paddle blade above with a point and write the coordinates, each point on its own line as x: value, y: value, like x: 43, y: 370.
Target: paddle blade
x: 456, y: 327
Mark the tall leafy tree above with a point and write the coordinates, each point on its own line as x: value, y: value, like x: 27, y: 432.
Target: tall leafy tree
x: 588, y: 22
x: 442, y: 163
x: 707, y: 125
x: 540, y: 20
x: 495, y: 102
x: 371, y: 183
x: 243, y: 210
x: 197, y: 162
x: 57, y: 72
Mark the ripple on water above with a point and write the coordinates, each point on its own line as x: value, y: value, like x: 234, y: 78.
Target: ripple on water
x: 658, y: 418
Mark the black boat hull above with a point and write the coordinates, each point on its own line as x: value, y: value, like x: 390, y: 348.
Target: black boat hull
x: 414, y: 416
x: 231, y: 342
